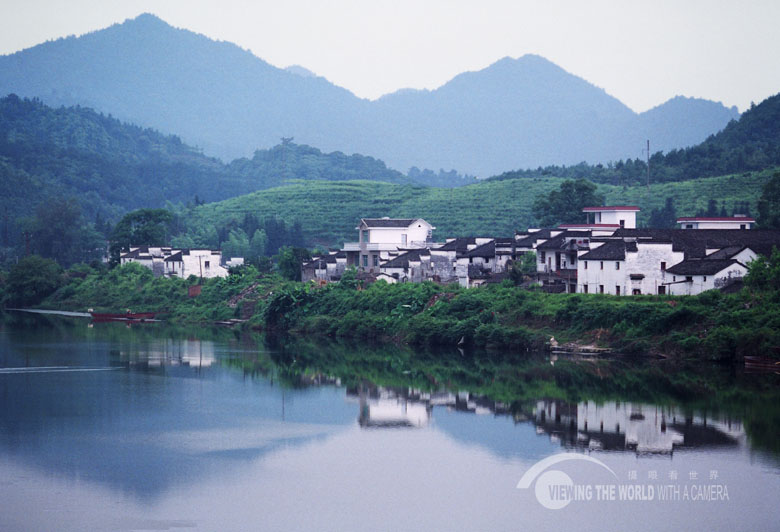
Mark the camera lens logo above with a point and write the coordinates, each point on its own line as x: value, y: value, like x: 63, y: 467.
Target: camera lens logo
x: 555, y: 489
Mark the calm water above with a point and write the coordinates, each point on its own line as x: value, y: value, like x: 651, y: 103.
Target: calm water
x: 152, y: 428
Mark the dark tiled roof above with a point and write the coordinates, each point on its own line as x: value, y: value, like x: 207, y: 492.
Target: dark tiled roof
x: 402, y: 261
x: 176, y: 257
x: 701, y: 266
x: 485, y: 250
x: 725, y: 253
x: 458, y: 244
x: 530, y: 240
x: 388, y: 222
x: 695, y: 242
x: 612, y: 250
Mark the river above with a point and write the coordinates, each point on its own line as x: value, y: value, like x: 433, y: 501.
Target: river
x: 149, y: 427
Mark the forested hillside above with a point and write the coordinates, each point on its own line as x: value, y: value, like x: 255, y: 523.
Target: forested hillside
x: 748, y: 144
x: 328, y: 212
x: 111, y: 167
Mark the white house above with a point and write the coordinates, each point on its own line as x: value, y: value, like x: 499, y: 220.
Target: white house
x: 379, y: 237
x: 738, y: 221
x: 614, y: 215
x: 176, y: 262
x: 697, y: 275
x: 203, y: 263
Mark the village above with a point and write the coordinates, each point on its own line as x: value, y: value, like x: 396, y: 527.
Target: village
x: 606, y: 254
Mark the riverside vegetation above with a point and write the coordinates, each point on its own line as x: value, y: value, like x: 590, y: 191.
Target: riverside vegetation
x: 711, y: 326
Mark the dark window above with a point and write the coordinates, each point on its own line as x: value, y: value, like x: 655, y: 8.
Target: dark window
x: 207, y: 264
x: 542, y: 257
x: 601, y: 289
x: 663, y: 266
x: 365, y: 261
x: 585, y: 288
x: 689, y: 226
x: 602, y: 264
x: 636, y: 292
x: 742, y: 226
x: 586, y: 264
x: 376, y: 260
x: 617, y: 290
x: 617, y: 265
x: 661, y: 290
x: 688, y: 279
x: 622, y: 223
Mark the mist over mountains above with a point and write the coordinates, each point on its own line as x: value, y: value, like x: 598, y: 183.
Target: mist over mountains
x: 516, y: 113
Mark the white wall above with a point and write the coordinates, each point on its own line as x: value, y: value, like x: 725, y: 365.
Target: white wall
x: 700, y: 283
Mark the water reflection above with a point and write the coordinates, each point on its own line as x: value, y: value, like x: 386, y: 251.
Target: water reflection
x: 636, y: 427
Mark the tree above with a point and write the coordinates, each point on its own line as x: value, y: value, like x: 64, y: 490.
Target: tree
x: 565, y: 204
x: 769, y: 204
x: 525, y: 265
x: 764, y: 273
x: 290, y: 260
x: 665, y: 217
x: 143, y: 227
x: 32, y: 279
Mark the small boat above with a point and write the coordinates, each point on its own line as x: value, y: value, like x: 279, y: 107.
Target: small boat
x: 762, y: 363
x: 126, y: 316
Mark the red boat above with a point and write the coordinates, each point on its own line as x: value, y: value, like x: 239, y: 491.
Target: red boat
x: 134, y: 316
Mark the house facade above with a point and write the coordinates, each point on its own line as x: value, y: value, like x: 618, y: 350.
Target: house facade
x: 173, y: 262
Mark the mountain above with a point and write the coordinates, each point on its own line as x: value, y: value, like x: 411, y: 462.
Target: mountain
x: 522, y: 112
x: 751, y: 143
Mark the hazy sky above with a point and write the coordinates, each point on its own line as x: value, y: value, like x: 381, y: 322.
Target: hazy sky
x: 641, y: 52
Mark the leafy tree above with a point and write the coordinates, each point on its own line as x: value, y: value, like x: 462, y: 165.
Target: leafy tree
x: 769, y: 204
x: 764, y: 273
x: 290, y: 260
x: 525, y: 265
x: 143, y: 227
x: 665, y: 217
x: 258, y: 244
x: 32, y: 279
x: 565, y: 204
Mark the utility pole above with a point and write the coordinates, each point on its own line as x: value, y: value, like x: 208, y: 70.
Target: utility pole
x: 648, y: 163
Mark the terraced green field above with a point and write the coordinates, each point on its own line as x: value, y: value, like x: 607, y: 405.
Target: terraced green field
x: 329, y: 211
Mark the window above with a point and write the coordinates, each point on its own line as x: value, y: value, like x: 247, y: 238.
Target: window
x: 622, y: 223
x: 663, y: 266
x: 617, y: 290
x: 584, y: 289
x: 617, y: 265
x: 542, y: 257
x: 586, y: 265
x: 689, y: 226
x: 376, y: 260
x: 207, y: 264
x: 403, y: 239
x: 365, y: 261
x: 602, y: 264
x: 661, y: 290
x: 688, y: 279
x: 742, y: 226
x: 601, y: 289
x: 705, y: 278
x: 636, y: 292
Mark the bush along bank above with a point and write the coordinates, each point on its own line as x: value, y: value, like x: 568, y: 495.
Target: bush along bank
x: 713, y: 325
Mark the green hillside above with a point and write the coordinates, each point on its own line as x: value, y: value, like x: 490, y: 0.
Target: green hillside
x: 329, y: 211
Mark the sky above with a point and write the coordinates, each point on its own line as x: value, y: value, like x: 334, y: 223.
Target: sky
x: 643, y: 53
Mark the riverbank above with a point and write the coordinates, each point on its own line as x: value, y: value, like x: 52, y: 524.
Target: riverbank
x: 711, y: 326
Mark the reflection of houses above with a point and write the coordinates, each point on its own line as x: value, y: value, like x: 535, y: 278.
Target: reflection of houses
x: 408, y: 407
x: 171, y: 353
x: 382, y: 408
x: 631, y: 426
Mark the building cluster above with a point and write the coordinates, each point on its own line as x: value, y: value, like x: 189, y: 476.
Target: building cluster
x: 607, y: 254
x: 174, y: 262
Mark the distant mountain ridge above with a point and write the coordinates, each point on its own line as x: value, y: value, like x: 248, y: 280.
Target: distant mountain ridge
x: 515, y: 113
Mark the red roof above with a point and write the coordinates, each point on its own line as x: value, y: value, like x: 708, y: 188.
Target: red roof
x: 595, y: 226
x: 715, y: 219
x: 611, y: 208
